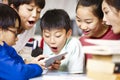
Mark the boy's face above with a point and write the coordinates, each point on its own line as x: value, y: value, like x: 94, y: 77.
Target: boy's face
x: 5, y: 1
x: 10, y: 35
x: 88, y: 22
x: 29, y: 14
x: 56, y: 39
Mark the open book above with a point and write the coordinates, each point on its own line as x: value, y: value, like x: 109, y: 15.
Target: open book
x: 107, y: 47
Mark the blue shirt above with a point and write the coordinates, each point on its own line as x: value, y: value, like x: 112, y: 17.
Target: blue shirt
x: 12, y: 66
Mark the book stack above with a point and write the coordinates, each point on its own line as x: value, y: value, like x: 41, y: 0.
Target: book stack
x: 105, y: 62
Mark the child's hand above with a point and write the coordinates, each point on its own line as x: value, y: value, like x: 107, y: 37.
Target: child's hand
x: 39, y: 60
x: 55, y: 65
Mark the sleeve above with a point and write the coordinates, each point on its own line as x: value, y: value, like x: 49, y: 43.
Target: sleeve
x: 14, y: 68
x: 76, y: 57
x: 41, y: 43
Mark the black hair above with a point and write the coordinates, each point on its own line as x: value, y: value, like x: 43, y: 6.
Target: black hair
x: 114, y: 3
x: 8, y: 17
x: 17, y: 3
x: 9, y: 2
x: 96, y: 4
x: 55, y: 19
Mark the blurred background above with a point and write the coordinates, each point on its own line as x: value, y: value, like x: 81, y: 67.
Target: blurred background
x: 69, y: 6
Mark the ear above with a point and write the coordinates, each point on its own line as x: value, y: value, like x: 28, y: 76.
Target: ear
x: 69, y: 33
x: 119, y: 13
x: 1, y: 35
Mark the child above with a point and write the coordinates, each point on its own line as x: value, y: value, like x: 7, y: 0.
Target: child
x: 112, y: 8
x: 5, y: 1
x: 12, y: 66
x: 8, y: 2
x: 56, y: 31
x: 29, y: 12
x: 89, y: 17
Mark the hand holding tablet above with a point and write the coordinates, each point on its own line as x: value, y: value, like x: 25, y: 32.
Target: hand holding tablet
x: 51, y: 59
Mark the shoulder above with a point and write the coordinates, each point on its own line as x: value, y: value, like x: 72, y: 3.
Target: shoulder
x: 110, y: 35
x: 73, y: 43
x: 74, y: 40
x: 7, y: 47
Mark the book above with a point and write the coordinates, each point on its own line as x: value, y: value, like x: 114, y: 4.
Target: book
x: 103, y: 46
x: 101, y: 70
x: 103, y: 66
x: 102, y: 76
x: 100, y: 66
x: 104, y: 42
x: 105, y: 57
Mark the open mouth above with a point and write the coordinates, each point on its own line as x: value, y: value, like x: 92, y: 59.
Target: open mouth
x: 54, y: 49
x: 31, y: 22
x: 86, y: 32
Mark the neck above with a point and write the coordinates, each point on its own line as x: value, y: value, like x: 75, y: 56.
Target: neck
x: 103, y: 30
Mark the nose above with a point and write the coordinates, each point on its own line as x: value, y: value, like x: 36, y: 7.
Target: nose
x: 52, y: 40
x: 104, y: 20
x: 34, y: 13
x: 83, y: 26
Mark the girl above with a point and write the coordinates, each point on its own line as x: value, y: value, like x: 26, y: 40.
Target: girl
x: 112, y: 8
x: 89, y: 17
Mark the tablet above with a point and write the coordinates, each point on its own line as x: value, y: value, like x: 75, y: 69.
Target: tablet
x: 51, y: 59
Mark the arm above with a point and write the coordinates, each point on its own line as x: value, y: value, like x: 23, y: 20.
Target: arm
x: 76, y: 57
x: 14, y: 67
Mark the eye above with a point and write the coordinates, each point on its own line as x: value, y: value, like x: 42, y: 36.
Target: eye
x: 58, y: 36
x: 78, y: 20
x: 106, y: 12
x: 38, y: 10
x: 88, y: 22
x: 47, y: 36
x: 30, y: 9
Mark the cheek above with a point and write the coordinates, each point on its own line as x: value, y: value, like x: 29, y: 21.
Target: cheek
x: 62, y: 41
x: 46, y: 40
x: 8, y: 40
x: 92, y: 26
x: 95, y: 24
x: 23, y: 16
x: 38, y: 16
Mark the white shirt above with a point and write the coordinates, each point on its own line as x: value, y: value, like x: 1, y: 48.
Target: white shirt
x: 23, y: 38
x: 74, y: 60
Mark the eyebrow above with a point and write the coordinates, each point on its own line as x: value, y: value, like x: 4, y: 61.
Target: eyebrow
x: 85, y: 19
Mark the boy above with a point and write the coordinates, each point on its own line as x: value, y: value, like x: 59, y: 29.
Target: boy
x: 12, y: 66
x: 56, y: 32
